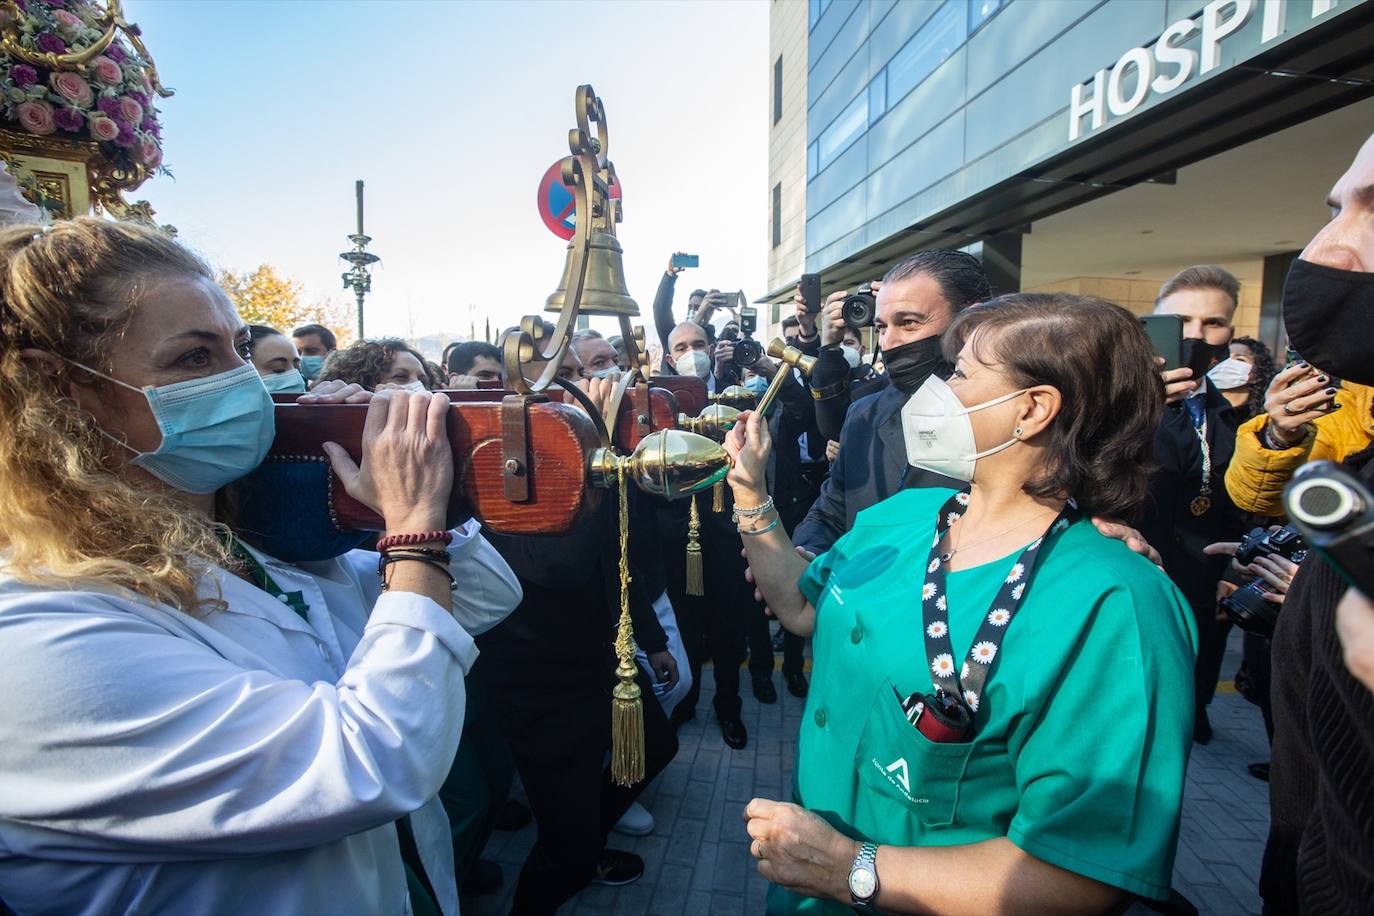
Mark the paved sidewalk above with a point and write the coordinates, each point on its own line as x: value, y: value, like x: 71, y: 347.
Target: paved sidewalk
x: 697, y: 859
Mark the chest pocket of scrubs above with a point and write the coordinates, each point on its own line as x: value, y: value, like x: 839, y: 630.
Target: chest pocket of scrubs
x: 903, y: 771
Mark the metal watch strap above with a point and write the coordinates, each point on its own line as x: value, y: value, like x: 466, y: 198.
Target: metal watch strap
x: 867, y: 858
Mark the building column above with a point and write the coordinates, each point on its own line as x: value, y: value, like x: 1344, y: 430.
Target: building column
x: 1271, y: 332
x: 1001, y: 257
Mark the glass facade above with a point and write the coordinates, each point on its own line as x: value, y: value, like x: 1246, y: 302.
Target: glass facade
x: 916, y: 105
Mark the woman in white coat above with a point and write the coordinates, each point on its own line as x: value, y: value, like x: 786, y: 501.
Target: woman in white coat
x: 189, y: 725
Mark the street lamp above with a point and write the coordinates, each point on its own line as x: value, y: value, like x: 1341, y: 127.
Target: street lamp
x: 359, y: 277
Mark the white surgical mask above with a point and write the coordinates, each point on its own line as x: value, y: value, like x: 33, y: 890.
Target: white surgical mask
x: 851, y: 356
x: 693, y: 362
x: 416, y: 386
x: 939, y: 433
x: 1230, y: 373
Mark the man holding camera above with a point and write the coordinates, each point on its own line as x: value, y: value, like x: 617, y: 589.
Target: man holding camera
x: 915, y: 303
x: 1189, y: 507
x: 1321, y: 836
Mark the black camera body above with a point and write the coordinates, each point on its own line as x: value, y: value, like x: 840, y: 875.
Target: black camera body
x: 1334, y: 510
x: 860, y: 309
x: 1247, y: 606
x: 747, y: 352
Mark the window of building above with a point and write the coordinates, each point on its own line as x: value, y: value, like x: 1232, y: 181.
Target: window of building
x: 812, y: 160
x: 931, y: 46
x: 842, y: 132
x: 817, y: 10
x: 777, y: 214
x: 877, y: 97
x: 777, y: 89
x: 980, y: 11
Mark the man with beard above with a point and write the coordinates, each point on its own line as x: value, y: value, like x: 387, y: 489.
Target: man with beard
x: 916, y: 301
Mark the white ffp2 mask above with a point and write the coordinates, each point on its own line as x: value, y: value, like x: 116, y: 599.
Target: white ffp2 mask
x: 693, y: 362
x: 1229, y: 374
x: 939, y: 433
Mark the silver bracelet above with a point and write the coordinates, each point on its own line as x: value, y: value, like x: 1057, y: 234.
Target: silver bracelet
x: 771, y: 525
x: 758, y: 510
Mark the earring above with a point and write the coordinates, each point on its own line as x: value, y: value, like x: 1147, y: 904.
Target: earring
x: 1016, y: 432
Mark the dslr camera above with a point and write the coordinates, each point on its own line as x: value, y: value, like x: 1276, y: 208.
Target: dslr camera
x: 1247, y: 606
x: 748, y: 351
x: 1334, y: 511
x: 860, y: 309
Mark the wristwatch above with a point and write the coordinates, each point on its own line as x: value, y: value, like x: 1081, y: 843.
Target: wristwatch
x: 863, y: 877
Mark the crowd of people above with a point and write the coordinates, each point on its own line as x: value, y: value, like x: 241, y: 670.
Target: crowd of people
x: 1014, y: 533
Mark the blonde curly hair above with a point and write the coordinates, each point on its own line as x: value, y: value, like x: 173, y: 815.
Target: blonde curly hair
x: 69, y: 520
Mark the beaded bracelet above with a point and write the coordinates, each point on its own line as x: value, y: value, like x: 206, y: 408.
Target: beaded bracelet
x: 402, y: 540
x: 756, y: 511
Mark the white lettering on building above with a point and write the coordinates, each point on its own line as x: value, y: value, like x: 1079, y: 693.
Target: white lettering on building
x: 1166, y: 65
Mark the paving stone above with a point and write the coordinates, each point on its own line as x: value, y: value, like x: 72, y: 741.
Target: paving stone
x: 727, y: 905
x: 739, y: 785
x: 732, y: 862
x: 704, y: 873
x: 697, y: 802
x: 684, y: 842
x: 670, y: 891
x: 698, y: 904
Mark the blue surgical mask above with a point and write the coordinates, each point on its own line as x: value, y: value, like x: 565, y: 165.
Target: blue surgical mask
x: 414, y: 385
x: 288, y: 382
x: 214, y: 430
x: 612, y: 372
x: 311, y: 366
x: 757, y: 384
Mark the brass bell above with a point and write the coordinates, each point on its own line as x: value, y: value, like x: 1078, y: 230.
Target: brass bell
x: 713, y: 422
x: 604, y: 292
x: 668, y: 462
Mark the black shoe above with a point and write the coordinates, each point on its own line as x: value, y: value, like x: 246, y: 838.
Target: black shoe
x: 777, y: 640
x: 1202, y: 729
x: 764, y: 691
x: 1260, y: 771
x: 485, y: 878
x: 616, y: 868
x: 732, y: 730
x: 796, y: 684
x: 513, y: 815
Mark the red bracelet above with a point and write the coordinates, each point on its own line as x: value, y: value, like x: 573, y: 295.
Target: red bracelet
x: 402, y: 540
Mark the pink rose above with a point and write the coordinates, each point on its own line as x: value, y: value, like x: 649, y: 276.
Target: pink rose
x: 72, y: 88
x: 107, y: 71
x: 67, y: 19
x: 130, y: 111
x: 103, y: 129
x: 149, y: 153
x: 36, y: 117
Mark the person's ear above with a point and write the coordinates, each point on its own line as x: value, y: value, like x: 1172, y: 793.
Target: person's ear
x: 1038, y: 408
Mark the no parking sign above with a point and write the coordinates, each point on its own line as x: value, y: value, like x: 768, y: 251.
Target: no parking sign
x: 557, y: 206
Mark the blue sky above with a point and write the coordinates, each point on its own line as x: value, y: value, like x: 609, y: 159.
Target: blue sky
x: 451, y: 111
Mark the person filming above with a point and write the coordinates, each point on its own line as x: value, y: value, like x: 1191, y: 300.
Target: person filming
x: 1000, y: 711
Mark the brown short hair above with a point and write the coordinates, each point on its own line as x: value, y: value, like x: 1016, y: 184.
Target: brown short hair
x: 1202, y: 276
x: 367, y: 362
x: 1096, y: 354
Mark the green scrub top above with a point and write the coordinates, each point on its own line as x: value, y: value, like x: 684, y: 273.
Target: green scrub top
x: 1084, y: 727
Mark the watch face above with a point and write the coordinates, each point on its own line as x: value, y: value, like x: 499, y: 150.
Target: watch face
x: 862, y: 883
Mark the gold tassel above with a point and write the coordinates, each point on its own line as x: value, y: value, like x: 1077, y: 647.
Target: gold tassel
x: 696, y: 581
x: 627, y: 709
x: 718, y: 496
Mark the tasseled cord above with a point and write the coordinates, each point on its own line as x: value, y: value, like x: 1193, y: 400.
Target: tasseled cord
x: 696, y: 581
x: 627, y: 710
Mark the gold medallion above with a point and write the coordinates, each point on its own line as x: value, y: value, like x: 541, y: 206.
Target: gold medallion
x: 1200, y: 505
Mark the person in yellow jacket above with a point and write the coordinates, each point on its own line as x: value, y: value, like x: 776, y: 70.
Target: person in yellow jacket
x: 1305, y: 419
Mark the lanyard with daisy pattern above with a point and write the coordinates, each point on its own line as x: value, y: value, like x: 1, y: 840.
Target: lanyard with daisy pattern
x: 967, y: 685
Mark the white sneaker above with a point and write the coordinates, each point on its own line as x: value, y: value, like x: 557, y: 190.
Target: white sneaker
x: 637, y: 821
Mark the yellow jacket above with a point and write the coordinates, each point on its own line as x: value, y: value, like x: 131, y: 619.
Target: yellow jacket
x: 1257, y: 474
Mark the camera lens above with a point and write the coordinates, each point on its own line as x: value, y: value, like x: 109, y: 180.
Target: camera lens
x: 1251, y: 611
x: 747, y: 352
x: 1323, y: 503
x: 859, y: 310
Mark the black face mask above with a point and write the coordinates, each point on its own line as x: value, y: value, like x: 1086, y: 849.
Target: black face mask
x: 1329, y: 315
x: 910, y: 364
x: 1199, y: 355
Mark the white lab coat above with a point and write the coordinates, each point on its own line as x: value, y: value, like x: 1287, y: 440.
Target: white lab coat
x: 241, y: 762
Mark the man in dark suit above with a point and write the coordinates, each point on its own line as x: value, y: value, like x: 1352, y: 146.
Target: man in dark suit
x: 1189, y: 507
x: 916, y: 301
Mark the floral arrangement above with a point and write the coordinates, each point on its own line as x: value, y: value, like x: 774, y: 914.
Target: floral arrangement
x: 111, y: 104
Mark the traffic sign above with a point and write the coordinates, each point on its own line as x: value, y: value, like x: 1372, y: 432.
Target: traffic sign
x: 557, y: 206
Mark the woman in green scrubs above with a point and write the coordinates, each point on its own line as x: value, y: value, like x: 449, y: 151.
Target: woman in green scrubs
x: 1000, y: 711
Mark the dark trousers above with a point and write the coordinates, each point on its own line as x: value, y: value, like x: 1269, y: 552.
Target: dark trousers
x: 480, y: 779
x: 1257, y: 668
x: 560, y: 734
x: 1211, y: 648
